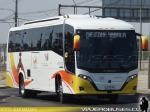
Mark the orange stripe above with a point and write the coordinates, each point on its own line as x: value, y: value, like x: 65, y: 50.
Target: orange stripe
x: 66, y: 76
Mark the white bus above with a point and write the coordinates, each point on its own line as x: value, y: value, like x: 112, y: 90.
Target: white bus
x: 73, y: 54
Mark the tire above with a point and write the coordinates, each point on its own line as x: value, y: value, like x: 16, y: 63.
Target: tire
x: 57, y: 86
x: 22, y: 91
x: 59, y: 90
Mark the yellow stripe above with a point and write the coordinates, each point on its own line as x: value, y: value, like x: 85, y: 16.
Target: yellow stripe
x: 40, y: 109
x: 9, y: 81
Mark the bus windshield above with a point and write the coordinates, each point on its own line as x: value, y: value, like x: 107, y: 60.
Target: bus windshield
x: 107, y: 51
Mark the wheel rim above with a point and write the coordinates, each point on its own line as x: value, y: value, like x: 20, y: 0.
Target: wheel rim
x: 22, y: 88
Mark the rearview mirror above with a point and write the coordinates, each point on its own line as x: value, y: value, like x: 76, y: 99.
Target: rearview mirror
x: 76, y: 42
x: 144, y: 43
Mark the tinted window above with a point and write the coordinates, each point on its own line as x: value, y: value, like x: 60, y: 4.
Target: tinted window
x: 47, y: 38
x: 25, y: 40
x: 15, y: 41
x: 107, y: 50
x: 11, y: 43
x: 36, y: 36
x: 37, y: 39
x: 57, y: 40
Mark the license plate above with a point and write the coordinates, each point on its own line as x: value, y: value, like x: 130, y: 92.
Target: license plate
x: 109, y: 87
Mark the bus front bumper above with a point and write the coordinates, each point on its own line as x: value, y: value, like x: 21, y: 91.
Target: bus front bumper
x: 81, y: 87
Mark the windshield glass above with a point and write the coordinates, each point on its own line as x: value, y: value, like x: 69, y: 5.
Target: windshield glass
x: 107, y: 51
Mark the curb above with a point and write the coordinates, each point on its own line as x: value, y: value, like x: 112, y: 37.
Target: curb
x: 4, y: 87
x: 144, y: 91
x: 2, y: 84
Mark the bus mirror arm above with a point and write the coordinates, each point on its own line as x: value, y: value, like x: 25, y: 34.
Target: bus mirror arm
x: 138, y: 34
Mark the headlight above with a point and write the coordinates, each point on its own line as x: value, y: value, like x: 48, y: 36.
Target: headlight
x: 85, y: 77
x: 131, y: 77
x: 88, y: 79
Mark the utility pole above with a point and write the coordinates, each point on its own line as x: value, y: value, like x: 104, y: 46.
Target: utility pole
x: 16, y: 13
x: 149, y: 60
x: 75, y: 8
x: 140, y: 42
x: 59, y: 13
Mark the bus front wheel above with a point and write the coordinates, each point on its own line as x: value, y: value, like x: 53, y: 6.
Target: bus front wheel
x: 60, y: 91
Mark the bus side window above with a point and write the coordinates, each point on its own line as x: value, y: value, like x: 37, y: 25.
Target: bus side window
x: 46, y: 43
x: 36, y: 39
x: 11, y: 43
x: 50, y: 36
x: 15, y: 41
x: 57, y: 37
x: 18, y: 41
x: 39, y: 42
x: 26, y: 46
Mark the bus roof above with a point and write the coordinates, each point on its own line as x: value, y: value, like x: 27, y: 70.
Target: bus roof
x: 91, y: 22
x: 79, y: 22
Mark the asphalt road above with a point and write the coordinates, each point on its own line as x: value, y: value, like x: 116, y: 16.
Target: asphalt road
x: 10, y: 97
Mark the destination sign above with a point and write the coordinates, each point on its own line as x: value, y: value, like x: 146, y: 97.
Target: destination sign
x: 106, y: 35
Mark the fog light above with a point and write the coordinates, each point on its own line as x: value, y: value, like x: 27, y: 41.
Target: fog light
x: 81, y: 88
x: 134, y: 87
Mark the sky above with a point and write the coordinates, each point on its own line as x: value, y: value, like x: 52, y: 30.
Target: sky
x: 33, y: 10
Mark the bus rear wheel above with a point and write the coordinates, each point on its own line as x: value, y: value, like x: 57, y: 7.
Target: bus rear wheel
x: 22, y: 91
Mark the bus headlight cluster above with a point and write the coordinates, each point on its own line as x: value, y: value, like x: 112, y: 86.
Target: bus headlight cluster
x: 85, y: 77
x: 88, y: 79
x: 131, y: 77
